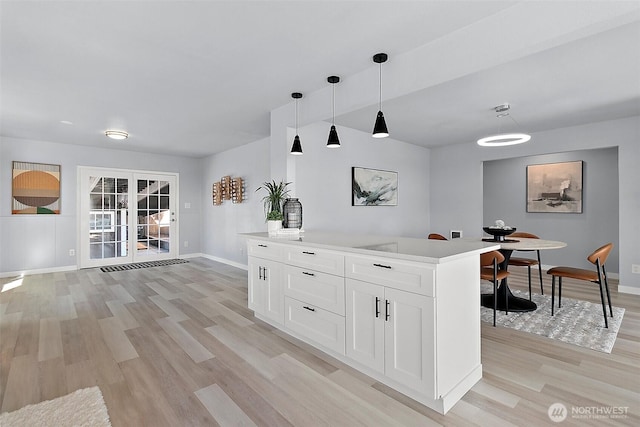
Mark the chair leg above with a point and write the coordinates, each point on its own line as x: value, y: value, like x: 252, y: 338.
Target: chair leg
x: 529, y: 271
x: 604, y: 308
x: 540, y: 273
x: 559, y: 291
x: 553, y: 292
x: 606, y: 286
x: 495, y: 300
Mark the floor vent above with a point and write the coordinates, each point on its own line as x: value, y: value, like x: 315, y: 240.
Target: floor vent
x: 137, y: 265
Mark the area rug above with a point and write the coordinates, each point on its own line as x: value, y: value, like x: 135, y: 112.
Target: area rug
x: 577, y: 322
x: 83, y: 407
x: 137, y: 265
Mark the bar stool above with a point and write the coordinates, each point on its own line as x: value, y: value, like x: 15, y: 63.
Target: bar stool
x: 527, y: 262
x: 489, y: 271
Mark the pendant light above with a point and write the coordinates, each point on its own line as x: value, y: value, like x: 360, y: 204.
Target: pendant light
x: 333, y: 141
x: 296, y: 148
x: 504, y: 139
x: 380, y: 128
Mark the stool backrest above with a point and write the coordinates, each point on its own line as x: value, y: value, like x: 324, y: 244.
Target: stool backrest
x: 524, y: 235
x: 436, y: 236
x: 601, y: 254
x: 486, y: 259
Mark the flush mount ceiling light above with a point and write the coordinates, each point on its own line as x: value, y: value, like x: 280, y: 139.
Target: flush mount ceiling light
x: 380, y: 128
x: 117, y: 134
x: 504, y: 139
x: 333, y: 141
x: 296, y: 148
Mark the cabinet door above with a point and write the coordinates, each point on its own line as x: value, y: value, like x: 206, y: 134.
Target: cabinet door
x: 409, y: 340
x: 266, y: 291
x: 365, y: 323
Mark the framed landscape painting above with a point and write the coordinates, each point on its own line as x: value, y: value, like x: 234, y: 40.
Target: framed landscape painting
x: 35, y: 188
x: 555, y: 187
x: 373, y: 187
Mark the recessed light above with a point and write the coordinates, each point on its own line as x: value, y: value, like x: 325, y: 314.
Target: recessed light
x: 117, y: 134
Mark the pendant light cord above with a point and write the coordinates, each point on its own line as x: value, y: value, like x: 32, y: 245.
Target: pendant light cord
x: 333, y: 105
x: 380, y: 87
x: 296, y: 116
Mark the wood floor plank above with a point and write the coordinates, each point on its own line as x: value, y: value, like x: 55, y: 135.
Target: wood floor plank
x: 120, y: 311
x: 191, y: 346
x: 23, y: 384
x: 223, y: 409
x: 50, y: 339
x: 121, y: 294
x: 117, y: 341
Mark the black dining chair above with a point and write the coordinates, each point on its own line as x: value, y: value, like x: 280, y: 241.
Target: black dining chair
x: 527, y: 262
x: 599, y: 276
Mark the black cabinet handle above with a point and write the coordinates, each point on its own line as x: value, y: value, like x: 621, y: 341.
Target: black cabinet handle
x: 377, y: 307
x: 308, y: 274
x: 262, y: 246
x: 264, y: 273
x: 309, y: 308
x: 386, y: 314
x: 260, y: 273
x: 381, y: 265
x: 308, y: 253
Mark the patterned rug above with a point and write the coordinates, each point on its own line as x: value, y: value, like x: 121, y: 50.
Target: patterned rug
x: 577, y: 322
x: 83, y: 407
x: 137, y: 265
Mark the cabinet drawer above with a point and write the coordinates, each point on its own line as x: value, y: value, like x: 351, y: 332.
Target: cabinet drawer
x: 403, y: 275
x: 315, y: 324
x: 320, y: 289
x: 315, y: 259
x: 266, y: 250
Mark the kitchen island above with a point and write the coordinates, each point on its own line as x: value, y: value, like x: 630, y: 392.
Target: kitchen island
x: 404, y: 311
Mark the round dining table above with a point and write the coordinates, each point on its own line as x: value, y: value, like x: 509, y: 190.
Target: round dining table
x: 506, y: 299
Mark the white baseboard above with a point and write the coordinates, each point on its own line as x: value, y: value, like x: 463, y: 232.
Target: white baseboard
x: 225, y: 261
x: 38, y: 271
x: 629, y: 290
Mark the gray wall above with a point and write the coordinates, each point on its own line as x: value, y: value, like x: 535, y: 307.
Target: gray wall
x: 34, y: 242
x: 505, y: 195
x: 457, y: 176
x: 222, y: 223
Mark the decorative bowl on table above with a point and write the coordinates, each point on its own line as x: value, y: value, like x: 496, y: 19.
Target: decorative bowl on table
x: 499, y: 233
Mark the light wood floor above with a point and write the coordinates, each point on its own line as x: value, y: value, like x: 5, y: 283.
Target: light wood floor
x: 177, y: 346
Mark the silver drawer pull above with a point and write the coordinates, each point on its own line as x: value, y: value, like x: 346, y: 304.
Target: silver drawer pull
x: 309, y: 308
x: 308, y: 274
x: 381, y: 265
x: 262, y: 246
x: 308, y: 253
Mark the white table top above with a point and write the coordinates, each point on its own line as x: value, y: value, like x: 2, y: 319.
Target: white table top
x: 524, y: 244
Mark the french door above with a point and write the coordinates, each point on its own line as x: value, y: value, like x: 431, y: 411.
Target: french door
x: 126, y: 216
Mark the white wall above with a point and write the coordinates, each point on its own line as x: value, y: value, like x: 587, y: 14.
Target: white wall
x: 456, y: 182
x: 323, y: 183
x: 42, y: 242
x: 223, y: 223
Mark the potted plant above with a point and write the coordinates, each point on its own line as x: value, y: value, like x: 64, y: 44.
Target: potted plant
x: 276, y: 195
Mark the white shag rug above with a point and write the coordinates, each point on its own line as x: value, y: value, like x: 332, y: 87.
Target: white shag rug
x: 83, y: 407
x: 577, y: 322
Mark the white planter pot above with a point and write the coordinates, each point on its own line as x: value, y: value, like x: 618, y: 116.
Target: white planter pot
x: 274, y: 226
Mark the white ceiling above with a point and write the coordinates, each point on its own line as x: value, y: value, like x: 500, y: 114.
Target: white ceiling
x: 199, y: 77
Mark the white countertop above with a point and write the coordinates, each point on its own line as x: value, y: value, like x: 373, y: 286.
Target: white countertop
x: 406, y: 248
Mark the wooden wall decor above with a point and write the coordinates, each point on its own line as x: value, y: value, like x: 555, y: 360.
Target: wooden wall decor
x: 237, y: 190
x: 217, y: 193
x: 228, y: 188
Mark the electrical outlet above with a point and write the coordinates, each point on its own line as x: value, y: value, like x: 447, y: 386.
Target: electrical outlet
x: 187, y: 205
x: 635, y: 268
x: 186, y: 243
x: 72, y: 252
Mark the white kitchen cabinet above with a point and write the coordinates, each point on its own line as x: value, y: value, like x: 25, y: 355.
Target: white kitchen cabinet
x: 404, y: 311
x: 265, y: 289
x: 391, y: 332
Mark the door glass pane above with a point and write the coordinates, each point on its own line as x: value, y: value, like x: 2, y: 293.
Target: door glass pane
x: 108, y: 234
x: 153, y: 217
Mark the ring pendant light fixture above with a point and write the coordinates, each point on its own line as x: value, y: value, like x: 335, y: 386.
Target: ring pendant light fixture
x: 380, y: 127
x: 296, y: 148
x: 504, y: 139
x: 117, y: 134
x: 333, y: 141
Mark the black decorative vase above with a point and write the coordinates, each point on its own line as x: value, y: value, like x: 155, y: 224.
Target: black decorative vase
x: 292, y: 213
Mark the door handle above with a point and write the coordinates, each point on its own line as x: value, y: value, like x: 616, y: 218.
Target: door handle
x: 386, y: 314
x: 377, y: 307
